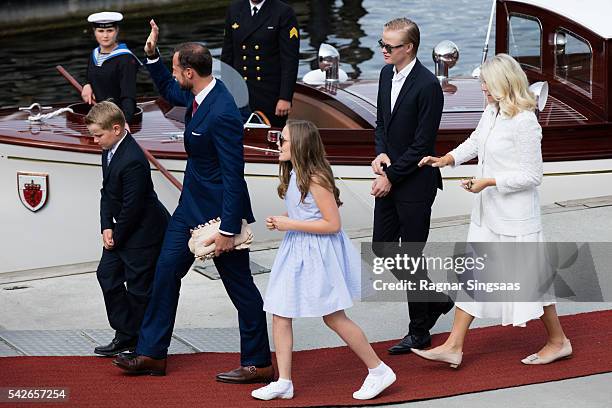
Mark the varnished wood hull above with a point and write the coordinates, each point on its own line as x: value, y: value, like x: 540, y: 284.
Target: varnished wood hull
x: 66, y: 230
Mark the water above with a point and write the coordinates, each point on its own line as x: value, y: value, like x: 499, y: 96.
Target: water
x: 27, y: 61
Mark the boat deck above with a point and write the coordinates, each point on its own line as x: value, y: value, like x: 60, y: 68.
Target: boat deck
x: 464, y: 103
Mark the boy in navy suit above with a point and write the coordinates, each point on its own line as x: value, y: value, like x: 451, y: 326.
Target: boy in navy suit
x: 133, y: 223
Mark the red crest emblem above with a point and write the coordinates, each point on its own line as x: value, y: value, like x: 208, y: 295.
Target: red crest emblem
x: 33, y: 189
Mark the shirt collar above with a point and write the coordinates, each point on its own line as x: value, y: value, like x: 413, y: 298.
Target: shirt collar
x: 199, y: 98
x: 404, y: 72
x: 259, y: 6
x: 116, y: 145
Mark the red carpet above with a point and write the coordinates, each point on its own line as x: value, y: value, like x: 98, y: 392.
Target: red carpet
x: 324, y: 377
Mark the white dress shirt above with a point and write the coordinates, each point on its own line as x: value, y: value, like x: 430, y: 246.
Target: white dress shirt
x: 199, y: 98
x: 398, y: 81
x: 257, y: 6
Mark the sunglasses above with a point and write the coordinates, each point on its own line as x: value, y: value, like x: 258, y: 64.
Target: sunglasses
x: 388, y: 47
x: 281, y: 139
x: 276, y: 136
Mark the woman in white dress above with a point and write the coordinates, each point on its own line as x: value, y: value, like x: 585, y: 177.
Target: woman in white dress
x: 506, y: 203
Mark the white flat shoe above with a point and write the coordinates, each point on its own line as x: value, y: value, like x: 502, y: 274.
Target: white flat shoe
x: 374, y: 385
x: 535, y: 359
x: 272, y: 391
x: 454, y: 359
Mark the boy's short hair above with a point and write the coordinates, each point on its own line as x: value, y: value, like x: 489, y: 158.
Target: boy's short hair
x: 105, y: 114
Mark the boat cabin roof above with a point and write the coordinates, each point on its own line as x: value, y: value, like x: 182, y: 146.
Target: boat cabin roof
x: 592, y: 14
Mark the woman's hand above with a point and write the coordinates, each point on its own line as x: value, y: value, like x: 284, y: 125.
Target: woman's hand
x: 87, y: 95
x: 477, y: 185
x: 446, y: 160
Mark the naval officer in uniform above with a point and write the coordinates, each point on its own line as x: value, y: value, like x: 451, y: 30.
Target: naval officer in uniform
x: 262, y: 43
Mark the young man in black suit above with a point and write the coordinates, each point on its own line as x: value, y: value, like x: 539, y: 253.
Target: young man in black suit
x: 409, y: 108
x: 133, y: 222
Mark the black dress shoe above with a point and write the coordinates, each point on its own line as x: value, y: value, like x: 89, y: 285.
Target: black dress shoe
x: 411, y: 341
x: 115, y: 347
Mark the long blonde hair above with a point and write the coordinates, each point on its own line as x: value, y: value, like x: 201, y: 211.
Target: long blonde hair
x: 307, y: 160
x: 507, y: 84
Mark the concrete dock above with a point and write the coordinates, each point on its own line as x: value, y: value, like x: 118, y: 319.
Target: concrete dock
x: 60, y: 311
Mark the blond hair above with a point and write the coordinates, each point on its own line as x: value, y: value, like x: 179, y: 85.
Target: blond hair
x: 508, y: 85
x: 105, y: 114
x: 408, y: 28
x: 307, y: 160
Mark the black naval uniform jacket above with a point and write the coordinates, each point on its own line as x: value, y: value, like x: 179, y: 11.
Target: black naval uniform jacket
x: 115, y: 80
x: 265, y: 50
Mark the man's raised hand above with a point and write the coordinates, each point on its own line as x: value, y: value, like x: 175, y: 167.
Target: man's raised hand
x: 151, y: 43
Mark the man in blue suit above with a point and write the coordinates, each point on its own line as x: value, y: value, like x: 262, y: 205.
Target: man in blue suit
x: 213, y: 186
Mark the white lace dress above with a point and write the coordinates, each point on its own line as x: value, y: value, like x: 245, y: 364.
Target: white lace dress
x: 509, y: 150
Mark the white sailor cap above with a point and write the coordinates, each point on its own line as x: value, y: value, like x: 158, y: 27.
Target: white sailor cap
x: 105, y: 19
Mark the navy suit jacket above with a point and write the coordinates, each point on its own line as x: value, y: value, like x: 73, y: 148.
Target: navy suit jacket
x: 128, y: 203
x: 214, y: 184
x: 409, y: 133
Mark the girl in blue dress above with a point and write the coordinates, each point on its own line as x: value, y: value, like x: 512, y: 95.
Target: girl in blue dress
x: 316, y: 272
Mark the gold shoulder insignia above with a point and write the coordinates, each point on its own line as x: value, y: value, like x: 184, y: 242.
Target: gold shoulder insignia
x: 235, y: 26
x: 293, y: 33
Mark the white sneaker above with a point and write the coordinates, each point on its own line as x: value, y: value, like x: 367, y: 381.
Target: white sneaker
x: 374, y: 385
x: 274, y: 390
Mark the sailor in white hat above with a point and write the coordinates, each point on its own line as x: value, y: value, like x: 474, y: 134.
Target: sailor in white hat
x: 112, y: 67
x: 105, y: 19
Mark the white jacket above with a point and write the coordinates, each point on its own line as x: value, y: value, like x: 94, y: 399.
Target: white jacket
x: 509, y: 151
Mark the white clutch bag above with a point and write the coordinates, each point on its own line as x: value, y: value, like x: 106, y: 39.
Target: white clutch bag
x: 203, y: 232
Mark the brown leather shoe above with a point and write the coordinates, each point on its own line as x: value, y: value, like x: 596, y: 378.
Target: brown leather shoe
x: 248, y: 375
x: 141, y: 365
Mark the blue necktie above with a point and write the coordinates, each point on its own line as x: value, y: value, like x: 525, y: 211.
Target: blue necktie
x: 109, y: 157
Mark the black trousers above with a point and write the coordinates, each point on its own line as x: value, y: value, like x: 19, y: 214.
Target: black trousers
x: 396, y: 219
x: 126, y: 277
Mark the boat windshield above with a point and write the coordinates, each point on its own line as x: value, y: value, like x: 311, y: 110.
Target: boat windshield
x: 234, y: 82
x: 573, y: 60
x: 525, y: 39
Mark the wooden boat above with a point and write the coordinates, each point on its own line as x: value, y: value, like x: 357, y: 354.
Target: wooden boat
x: 568, y: 45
